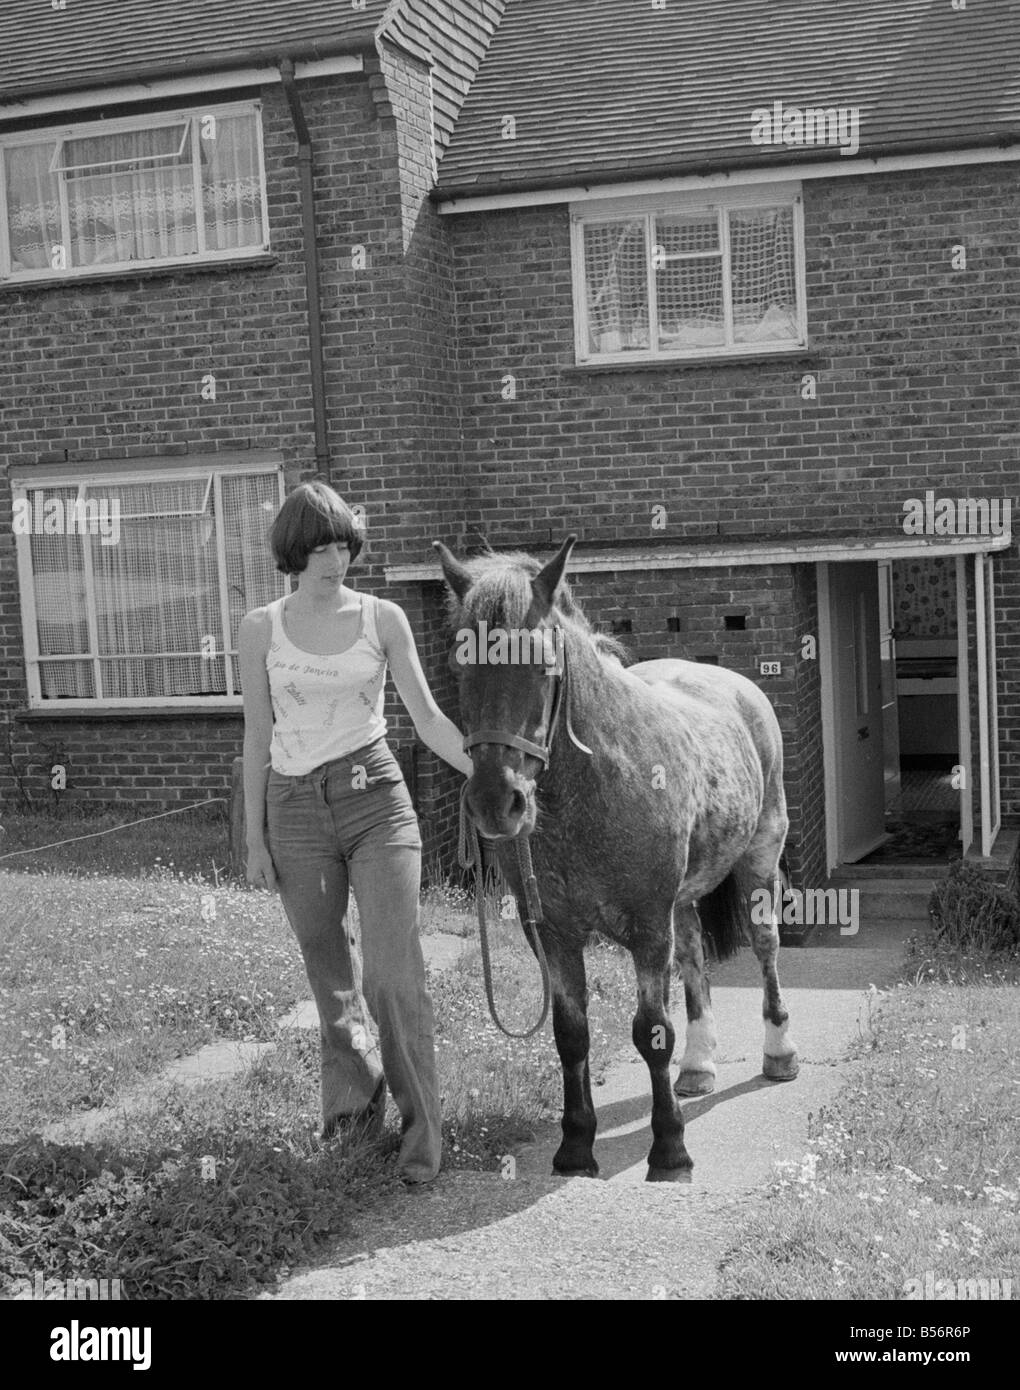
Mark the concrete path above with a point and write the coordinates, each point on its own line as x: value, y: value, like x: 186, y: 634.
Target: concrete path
x: 482, y: 1236
x: 479, y: 1236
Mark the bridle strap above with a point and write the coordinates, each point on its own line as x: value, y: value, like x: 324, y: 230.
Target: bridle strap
x: 542, y: 752
x: 470, y: 849
x: 469, y: 853
x: 510, y: 741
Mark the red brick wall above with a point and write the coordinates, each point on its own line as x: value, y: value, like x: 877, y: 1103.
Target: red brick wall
x: 90, y: 372
x: 916, y: 389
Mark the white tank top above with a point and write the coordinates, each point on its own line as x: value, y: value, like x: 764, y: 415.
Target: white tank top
x: 324, y: 707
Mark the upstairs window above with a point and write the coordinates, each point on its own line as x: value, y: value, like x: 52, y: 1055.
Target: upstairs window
x: 116, y: 195
x: 684, y: 277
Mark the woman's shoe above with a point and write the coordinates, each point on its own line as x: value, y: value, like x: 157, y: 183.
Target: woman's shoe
x: 360, y: 1124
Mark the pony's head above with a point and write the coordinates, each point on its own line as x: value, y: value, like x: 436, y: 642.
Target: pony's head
x: 510, y: 654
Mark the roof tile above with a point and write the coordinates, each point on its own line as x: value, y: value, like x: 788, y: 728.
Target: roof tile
x: 95, y: 42
x: 609, y: 89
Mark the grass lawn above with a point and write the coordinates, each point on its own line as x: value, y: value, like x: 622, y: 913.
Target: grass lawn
x: 914, y: 1170
x: 192, y: 843
x: 121, y: 952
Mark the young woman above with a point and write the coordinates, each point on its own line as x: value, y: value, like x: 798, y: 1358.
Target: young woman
x: 328, y: 812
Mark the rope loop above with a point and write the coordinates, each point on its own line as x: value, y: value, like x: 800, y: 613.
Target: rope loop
x: 469, y: 854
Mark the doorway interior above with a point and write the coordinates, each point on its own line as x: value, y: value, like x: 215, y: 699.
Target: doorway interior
x: 904, y: 667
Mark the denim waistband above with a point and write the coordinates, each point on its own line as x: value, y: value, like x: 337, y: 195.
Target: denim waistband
x: 344, y: 763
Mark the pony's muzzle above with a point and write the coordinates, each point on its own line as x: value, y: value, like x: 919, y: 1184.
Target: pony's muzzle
x: 501, y: 808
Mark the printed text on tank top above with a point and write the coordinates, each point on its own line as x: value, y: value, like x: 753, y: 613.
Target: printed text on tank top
x: 325, y: 704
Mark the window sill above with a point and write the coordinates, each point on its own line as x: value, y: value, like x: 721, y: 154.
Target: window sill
x: 685, y: 364
x: 33, y: 716
x: 150, y: 272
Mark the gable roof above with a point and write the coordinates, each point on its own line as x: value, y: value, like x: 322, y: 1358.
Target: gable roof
x: 606, y: 90
x: 94, y: 43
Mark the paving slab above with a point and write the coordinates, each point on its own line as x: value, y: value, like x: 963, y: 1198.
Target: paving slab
x: 211, y: 1063
x: 218, y: 1061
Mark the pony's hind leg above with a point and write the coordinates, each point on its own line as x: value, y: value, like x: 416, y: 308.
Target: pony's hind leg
x: 654, y: 1037
x: 759, y: 876
x: 697, y: 1067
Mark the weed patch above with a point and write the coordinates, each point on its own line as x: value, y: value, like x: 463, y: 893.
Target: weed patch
x: 912, y: 1171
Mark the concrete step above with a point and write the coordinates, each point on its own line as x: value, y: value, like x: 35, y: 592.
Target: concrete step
x: 892, y: 900
x: 892, y: 907
x: 856, y: 875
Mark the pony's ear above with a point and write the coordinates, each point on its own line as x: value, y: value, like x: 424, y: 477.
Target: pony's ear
x: 456, y: 575
x: 547, y: 581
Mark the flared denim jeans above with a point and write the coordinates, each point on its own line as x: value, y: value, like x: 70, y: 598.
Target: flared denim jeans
x: 349, y: 825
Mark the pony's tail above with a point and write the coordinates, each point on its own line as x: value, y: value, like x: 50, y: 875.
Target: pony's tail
x: 724, y: 919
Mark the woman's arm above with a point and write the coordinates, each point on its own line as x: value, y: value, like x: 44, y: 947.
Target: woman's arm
x: 252, y: 645
x: 433, y: 728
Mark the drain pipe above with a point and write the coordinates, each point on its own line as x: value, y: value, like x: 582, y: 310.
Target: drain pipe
x: 316, y: 364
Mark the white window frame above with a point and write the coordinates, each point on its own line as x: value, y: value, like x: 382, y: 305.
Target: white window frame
x: 649, y: 206
x: 46, y: 135
x: 22, y: 486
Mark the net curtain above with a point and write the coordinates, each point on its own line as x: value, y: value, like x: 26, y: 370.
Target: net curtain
x: 141, y: 208
x: 157, y: 590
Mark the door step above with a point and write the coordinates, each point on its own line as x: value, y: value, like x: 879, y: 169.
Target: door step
x: 887, y: 910
x: 889, y: 900
x: 855, y: 875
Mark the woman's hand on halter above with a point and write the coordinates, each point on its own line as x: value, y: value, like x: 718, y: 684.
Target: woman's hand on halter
x: 260, y: 869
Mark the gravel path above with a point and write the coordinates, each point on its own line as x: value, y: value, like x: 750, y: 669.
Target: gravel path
x: 479, y: 1236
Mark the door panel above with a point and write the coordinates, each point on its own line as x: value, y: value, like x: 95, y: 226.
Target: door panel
x: 890, y: 703
x: 858, y: 707
x: 963, y: 687
x: 988, y: 709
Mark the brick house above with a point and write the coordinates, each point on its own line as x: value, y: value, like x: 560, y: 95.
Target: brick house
x: 730, y: 290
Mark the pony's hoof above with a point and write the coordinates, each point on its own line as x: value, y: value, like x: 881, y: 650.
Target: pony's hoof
x: 694, y: 1083
x: 669, y: 1174
x: 780, y: 1068
x: 590, y: 1172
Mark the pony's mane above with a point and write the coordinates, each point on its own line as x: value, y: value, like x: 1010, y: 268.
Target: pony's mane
x: 500, y: 595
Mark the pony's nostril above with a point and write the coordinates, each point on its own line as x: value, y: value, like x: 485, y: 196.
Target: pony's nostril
x: 517, y: 804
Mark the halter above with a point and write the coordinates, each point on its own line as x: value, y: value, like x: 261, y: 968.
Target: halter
x: 470, y: 849
x: 560, y: 700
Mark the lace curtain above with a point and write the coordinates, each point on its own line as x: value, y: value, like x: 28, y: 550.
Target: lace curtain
x: 688, y: 281
x: 131, y: 195
x: 157, y: 597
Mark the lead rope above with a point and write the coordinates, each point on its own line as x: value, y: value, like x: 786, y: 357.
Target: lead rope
x: 469, y: 854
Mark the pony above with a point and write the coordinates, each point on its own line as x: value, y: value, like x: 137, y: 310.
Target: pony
x: 654, y: 794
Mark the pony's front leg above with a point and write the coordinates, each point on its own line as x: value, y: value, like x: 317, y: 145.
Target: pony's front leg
x: 575, y: 1156
x: 697, y: 1068
x: 654, y: 1037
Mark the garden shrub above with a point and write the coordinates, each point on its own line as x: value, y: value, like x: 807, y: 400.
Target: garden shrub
x: 970, y: 912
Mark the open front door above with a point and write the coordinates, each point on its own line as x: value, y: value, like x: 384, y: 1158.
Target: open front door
x: 987, y: 700
x: 963, y: 679
x: 890, y: 702
x: 857, y: 707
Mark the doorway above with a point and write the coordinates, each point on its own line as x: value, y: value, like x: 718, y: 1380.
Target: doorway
x: 858, y: 712
x: 902, y: 665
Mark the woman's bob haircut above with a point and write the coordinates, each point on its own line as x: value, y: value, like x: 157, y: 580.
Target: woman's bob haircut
x: 313, y: 515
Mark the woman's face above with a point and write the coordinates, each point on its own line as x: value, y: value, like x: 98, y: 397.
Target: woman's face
x: 327, y: 567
